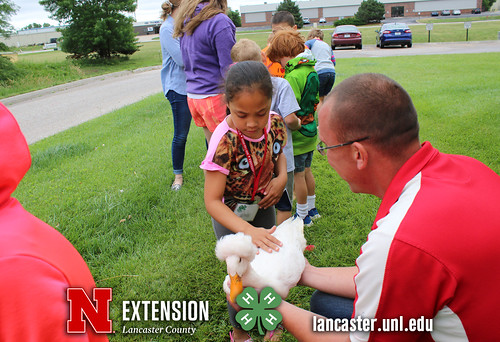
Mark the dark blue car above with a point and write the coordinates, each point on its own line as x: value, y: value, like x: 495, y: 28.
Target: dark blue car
x: 394, y: 34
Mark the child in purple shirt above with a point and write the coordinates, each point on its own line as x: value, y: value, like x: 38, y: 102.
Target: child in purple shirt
x: 206, y: 38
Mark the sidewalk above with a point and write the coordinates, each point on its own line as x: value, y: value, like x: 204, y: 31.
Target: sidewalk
x: 46, y: 112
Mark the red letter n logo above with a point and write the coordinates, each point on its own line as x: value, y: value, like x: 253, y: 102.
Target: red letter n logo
x: 97, y: 316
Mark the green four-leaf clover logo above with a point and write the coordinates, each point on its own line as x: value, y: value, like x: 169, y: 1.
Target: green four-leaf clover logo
x: 259, y: 312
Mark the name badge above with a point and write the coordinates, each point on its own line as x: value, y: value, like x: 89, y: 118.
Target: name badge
x: 246, y: 211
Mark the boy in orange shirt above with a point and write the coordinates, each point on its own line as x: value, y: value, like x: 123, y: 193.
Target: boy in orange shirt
x: 281, y: 20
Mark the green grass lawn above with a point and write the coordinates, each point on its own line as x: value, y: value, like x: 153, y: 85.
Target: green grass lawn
x: 46, y: 69
x: 105, y: 185
x: 459, y: 19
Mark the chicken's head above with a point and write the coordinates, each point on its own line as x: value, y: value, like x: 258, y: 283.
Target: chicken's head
x: 238, y: 251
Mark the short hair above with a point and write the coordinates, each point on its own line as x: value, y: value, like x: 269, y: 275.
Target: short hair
x: 283, y: 17
x: 315, y: 33
x: 246, y: 50
x: 285, y: 43
x: 376, y: 106
x: 247, y: 75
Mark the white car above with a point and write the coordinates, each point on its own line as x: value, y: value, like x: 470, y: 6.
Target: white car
x: 456, y: 12
x: 322, y: 20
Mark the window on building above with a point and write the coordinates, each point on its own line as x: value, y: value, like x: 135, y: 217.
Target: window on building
x: 397, y: 11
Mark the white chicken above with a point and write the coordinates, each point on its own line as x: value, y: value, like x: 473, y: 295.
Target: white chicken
x: 279, y: 270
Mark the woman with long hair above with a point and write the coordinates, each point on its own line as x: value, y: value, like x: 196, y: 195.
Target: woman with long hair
x: 173, y: 79
x: 207, y: 35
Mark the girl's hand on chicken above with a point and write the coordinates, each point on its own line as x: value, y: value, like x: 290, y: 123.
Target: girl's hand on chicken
x: 262, y: 238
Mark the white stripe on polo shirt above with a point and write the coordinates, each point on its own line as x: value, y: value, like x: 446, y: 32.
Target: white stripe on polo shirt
x: 374, y: 252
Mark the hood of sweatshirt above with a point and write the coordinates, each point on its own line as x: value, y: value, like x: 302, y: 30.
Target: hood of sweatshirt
x: 15, y: 159
x: 304, y: 58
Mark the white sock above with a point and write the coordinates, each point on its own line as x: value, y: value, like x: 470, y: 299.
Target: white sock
x: 302, y: 210
x: 311, y: 202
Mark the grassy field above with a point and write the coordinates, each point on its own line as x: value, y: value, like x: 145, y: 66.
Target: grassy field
x: 459, y: 19
x: 105, y: 186
x: 42, y: 70
x: 46, y: 69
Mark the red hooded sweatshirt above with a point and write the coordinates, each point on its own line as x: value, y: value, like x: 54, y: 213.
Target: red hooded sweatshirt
x: 37, y: 263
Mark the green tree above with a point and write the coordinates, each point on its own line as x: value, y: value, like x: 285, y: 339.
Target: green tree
x: 8, y: 70
x: 95, y: 28
x: 7, y: 9
x: 35, y: 25
x: 31, y: 26
x: 292, y: 7
x: 370, y: 11
x: 234, y: 16
x: 487, y: 4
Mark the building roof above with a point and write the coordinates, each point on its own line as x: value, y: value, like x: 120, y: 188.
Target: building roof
x: 38, y: 30
x: 265, y: 7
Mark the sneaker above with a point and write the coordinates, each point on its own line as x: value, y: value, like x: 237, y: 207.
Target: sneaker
x: 307, y: 220
x: 313, y: 214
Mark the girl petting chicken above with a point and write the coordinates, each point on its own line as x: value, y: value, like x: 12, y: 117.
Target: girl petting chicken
x: 245, y: 167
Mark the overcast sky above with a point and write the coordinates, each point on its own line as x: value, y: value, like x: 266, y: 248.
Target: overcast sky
x: 30, y: 11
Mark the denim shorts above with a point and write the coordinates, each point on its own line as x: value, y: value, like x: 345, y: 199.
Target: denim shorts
x: 326, y: 81
x: 285, y: 202
x: 303, y: 161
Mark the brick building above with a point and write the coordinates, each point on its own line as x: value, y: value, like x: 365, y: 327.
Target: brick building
x: 331, y: 10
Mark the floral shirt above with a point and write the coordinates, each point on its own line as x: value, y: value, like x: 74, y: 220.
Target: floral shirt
x: 226, y: 154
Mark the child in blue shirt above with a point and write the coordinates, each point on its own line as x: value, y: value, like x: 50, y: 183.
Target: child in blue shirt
x: 325, y: 61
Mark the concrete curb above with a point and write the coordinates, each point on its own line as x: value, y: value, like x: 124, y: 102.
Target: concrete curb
x: 8, y: 101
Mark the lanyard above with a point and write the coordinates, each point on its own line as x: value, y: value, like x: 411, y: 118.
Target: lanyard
x: 250, y: 161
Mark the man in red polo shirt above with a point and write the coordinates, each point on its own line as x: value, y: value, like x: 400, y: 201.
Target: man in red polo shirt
x: 432, y: 254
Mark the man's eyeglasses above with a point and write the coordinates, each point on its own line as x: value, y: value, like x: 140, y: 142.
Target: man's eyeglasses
x: 322, y: 148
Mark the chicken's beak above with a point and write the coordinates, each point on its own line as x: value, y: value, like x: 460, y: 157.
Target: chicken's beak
x: 236, y: 287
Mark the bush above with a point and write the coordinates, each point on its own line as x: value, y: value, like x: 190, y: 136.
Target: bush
x: 487, y: 5
x: 8, y: 71
x: 348, y: 21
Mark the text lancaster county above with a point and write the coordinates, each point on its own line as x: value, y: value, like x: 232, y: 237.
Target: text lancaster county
x: 146, y: 310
